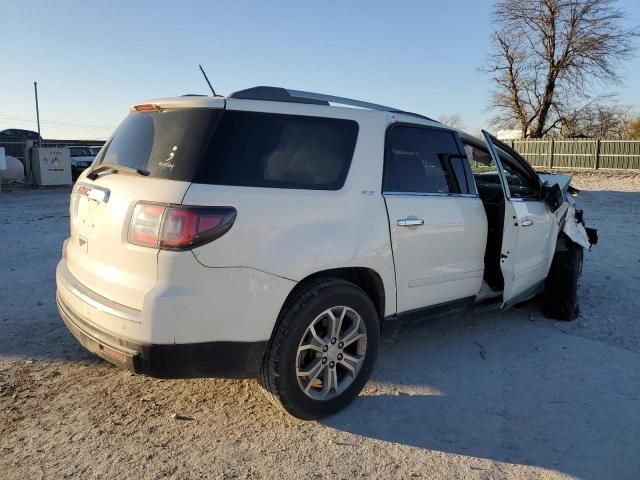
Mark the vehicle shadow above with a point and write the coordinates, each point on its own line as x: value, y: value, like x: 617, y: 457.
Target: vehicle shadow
x: 509, y: 389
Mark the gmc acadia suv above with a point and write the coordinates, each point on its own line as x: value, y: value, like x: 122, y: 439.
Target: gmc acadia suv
x: 272, y: 233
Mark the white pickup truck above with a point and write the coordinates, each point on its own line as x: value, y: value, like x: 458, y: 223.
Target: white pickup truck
x: 272, y: 234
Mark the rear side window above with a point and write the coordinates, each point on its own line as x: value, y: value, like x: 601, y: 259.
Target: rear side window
x: 424, y: 160
x: 279, y: 151
x: 224, y: 147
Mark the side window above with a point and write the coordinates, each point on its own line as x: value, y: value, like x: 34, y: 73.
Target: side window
x: 520, y: 180
x: 484, y: 168
x: 424, y: 160
x: 279, y: 151
x: 521, y: 185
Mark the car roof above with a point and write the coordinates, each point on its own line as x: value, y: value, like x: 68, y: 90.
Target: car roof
x: 278, y: 94
x: 283, y: 95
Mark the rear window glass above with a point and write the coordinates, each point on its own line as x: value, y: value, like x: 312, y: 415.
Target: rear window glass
x: 169, y: 144
x: 236, y: 148
x: 279, y: 151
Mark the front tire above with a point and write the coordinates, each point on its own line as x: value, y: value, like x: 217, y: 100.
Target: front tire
x: 561, y: 288
x: 323, y: 349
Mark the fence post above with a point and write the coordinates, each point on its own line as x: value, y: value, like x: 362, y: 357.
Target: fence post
x: 551, y: 149
x: 596, y: 163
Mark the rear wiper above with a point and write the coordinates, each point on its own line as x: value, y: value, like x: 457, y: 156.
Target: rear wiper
x: 107, y: 169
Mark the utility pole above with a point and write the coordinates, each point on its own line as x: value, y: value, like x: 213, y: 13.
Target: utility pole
x: 35, y: 87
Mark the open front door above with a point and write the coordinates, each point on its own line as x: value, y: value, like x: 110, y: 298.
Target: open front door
x: 530, y: 228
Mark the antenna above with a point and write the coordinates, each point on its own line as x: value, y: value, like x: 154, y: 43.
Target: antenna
x: 207, y: 79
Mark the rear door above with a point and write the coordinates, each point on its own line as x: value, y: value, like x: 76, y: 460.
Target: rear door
x: 530, y: 228
x: 437, y: 223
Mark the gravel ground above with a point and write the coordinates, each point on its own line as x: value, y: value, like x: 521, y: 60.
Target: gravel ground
x: 481, y: 396
x: 604, y: 180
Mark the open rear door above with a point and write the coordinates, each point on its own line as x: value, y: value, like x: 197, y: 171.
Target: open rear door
x: 530, y: 229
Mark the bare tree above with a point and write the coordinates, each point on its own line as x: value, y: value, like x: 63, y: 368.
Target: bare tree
x: 598, y: 121
x: 550, y: 55
x: 453, y: 120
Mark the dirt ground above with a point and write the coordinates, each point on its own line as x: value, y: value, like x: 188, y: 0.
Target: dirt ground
x: 509, y: 395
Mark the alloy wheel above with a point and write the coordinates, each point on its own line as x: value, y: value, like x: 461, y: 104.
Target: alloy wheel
x: 331, y: 353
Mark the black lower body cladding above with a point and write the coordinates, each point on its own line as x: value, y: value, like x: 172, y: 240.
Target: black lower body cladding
x: 195, y: 360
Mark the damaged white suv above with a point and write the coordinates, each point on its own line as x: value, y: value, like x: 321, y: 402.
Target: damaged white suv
x: 272, y: 233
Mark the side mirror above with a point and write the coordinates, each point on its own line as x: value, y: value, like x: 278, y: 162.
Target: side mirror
x: 552, y: 195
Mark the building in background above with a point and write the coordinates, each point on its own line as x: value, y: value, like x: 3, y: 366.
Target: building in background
x: 14, y: 139
x: 509, y: 134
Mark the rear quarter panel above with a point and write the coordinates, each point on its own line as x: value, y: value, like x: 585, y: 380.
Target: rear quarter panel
x: 295, y: 233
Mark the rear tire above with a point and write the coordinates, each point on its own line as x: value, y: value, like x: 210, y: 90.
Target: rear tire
x: 323, y: 349
x: 561, y: 288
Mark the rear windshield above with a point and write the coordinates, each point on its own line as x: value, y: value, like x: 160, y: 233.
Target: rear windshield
x: 168, y: 144
x: 222, y: 147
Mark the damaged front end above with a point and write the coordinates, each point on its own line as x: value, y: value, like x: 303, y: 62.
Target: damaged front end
x: 561, y: 300
x: 559, y: 196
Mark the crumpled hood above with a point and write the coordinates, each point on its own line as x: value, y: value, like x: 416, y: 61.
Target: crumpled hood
x: 566, y: 214
x: 563, y: 181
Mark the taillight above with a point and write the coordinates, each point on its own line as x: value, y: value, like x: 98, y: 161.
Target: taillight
x: 145, y: 224
x: 176, y: 227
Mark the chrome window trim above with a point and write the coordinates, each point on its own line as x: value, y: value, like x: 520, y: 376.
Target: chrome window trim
x: 425, y: 194
x: 520, y: 199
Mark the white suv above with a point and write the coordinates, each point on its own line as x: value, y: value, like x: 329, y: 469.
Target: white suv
x: 271, y: 234
x: 81, y: 158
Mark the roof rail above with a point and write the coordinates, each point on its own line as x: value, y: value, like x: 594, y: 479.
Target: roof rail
x: 278, y: 94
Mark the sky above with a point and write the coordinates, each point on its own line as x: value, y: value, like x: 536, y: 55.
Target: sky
x: 92, y: 59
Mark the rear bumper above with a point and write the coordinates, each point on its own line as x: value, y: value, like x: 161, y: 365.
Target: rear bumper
x: 210, y: 359
x: 187, y: 304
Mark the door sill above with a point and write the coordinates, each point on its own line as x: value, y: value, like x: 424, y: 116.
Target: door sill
x: 433, y: 311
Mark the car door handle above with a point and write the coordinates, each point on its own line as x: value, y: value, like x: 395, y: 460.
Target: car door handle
x: 527, y: 223
x: 410, y: 222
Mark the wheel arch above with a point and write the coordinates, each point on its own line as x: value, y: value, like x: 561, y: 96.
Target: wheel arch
x: 280, y: 382
x: 366, y: 278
